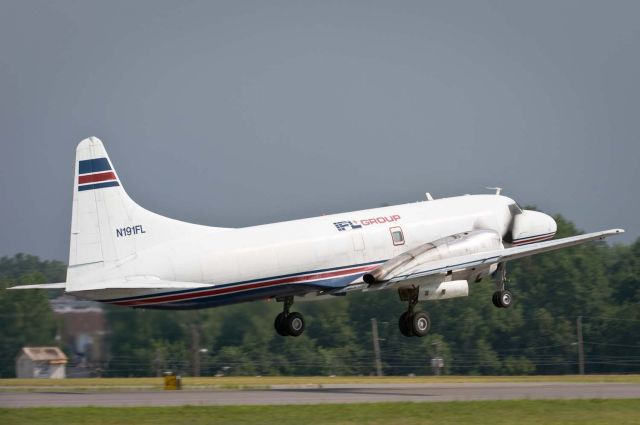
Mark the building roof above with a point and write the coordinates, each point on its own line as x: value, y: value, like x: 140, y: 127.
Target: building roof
x: 45, y: 354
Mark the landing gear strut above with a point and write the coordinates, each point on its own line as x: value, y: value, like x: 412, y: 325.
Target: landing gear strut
x: 413, y: 323
x: 502, y: 298
x: 289, y: 323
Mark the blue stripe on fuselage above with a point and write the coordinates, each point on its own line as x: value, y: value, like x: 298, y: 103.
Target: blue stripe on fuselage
x: 332, y: 283
x: 233, y: 298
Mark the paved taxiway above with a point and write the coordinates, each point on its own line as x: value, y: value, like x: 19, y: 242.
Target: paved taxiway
x: 326, y: 394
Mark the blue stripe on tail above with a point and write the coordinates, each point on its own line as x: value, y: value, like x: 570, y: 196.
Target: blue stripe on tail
x: 98, y: 185
x: 94, y: 165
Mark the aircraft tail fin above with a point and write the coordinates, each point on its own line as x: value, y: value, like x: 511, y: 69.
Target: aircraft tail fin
x: 98, y: 201
x: 107, y: 227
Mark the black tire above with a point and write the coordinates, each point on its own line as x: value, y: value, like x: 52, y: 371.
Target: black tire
x: 295, y: 324
x: 404, y: 323
x: 494, y: 299
x: 279, y: 324
x: 420, y: 324
x: 505, y: 299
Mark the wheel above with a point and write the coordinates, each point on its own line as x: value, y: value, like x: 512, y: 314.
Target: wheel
x: 420, y: 324
x: 404, y: 323
x: 505, y: 299
x: 279, y: 324
x: 294, y: 324
x: 494, y: 299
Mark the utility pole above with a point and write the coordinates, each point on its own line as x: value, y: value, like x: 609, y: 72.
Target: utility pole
x: 437, y: 362
x: 580, y: 345
x: 195, y: 349
x: 376, y: 346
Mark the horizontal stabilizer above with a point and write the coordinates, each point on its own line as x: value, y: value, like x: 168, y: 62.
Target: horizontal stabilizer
x: 141, y: 282
x: 60, y: 285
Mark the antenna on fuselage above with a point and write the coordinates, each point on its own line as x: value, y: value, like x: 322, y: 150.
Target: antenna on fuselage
x: 429, y: 197
x: 497, y: 189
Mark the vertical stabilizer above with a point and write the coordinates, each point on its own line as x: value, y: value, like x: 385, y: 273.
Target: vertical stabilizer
x: 108, y: 229
x: 99, y: 202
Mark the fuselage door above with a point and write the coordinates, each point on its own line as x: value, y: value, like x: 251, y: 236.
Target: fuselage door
x: 397, y: 236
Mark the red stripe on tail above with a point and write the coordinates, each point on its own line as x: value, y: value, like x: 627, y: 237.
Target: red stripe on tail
x: 96, y: 178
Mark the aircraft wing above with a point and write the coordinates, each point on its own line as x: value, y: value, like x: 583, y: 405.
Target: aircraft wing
x: 489, y: 257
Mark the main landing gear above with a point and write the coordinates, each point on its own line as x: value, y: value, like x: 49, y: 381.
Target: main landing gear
x: 502, y: 298
x: 413, y: 323
x: 289, y: 323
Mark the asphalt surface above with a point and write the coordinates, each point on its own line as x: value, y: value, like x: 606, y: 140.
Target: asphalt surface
x: 326, y: 394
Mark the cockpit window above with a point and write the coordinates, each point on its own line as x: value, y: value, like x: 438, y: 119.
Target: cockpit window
x: 515, y: 209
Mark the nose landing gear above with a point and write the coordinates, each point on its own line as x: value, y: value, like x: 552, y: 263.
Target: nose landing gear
x: 412, y: 323
x: 289, y: 323
x: 502, y: 298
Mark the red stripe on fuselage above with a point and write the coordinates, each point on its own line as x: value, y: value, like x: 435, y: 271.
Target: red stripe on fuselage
x: 96, y: 178
x: 242, y: 287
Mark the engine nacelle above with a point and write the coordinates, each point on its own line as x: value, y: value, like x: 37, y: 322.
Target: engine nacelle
x: 466, y: 243
x: 443, y: 290
x: 451, y: 246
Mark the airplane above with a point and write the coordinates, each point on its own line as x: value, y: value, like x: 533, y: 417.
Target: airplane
x: 125, y: 255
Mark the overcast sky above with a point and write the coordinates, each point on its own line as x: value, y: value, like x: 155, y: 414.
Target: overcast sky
x: 240, y: 113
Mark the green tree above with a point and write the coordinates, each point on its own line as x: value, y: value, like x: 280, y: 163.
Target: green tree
x: 537, y: 334
x: 27, y: 319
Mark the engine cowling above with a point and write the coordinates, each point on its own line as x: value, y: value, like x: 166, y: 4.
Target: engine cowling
x: 471, y: 242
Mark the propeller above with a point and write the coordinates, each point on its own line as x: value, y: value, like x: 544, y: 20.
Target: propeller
x: 514, y: 211
x: 500, y: 273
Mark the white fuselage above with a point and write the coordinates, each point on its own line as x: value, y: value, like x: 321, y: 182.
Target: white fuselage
x: 123, y: 254
x: 294, y: 257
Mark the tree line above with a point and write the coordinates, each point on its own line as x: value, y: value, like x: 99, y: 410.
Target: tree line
x: 597, y: 282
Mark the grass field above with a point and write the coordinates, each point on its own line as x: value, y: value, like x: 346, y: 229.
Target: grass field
x: 619, y: 412
x: 247, y: 382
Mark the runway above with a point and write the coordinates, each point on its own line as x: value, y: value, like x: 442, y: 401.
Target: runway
x: 336, y: 393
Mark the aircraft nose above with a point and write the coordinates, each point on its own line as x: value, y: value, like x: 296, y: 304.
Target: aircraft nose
x: 549, y: 223
x: 533, y: 226
x: 541, y: 223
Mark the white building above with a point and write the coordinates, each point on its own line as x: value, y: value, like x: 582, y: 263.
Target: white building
x: 41, y: 362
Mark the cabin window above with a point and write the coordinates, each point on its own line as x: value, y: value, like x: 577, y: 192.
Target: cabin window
x: 397, y: 236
